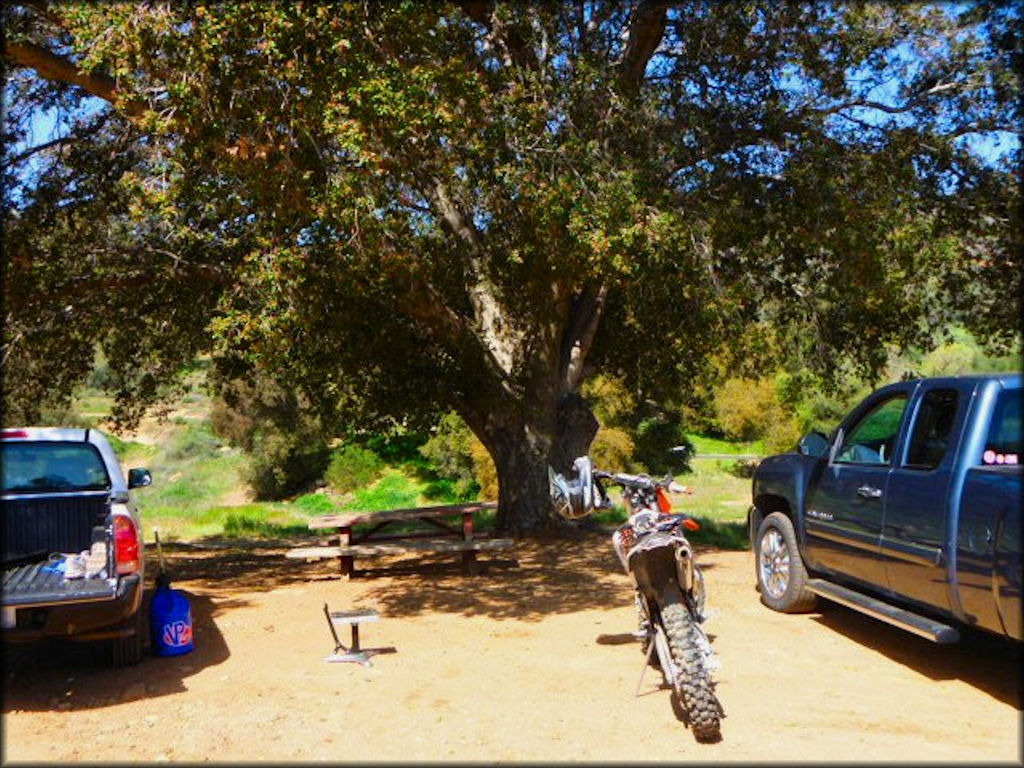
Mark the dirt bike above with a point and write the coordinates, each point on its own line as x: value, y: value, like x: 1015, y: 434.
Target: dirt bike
x: 670, y: 594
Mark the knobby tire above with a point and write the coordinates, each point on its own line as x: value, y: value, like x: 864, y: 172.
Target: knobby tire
x: 695, y: 686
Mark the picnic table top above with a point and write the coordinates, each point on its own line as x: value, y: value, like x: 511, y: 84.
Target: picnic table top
x: 412, y: 513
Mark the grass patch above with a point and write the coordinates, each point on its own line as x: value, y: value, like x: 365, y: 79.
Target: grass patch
x: 252, y: 521
x: 394, y: 490
x: 314, y: 504
x: 708, y: 444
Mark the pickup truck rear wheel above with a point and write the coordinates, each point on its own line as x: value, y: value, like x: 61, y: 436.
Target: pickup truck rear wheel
x: 128, y: 651
x: 781, y: 574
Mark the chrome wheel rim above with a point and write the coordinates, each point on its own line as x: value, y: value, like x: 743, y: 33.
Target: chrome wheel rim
x: 774, y: 563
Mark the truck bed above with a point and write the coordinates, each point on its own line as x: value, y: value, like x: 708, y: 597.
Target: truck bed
x: 35, y: 527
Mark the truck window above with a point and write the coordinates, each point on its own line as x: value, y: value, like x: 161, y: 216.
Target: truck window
x: 932, y: 428
x: 47, y: 467
x: 1004, y: 433
x: 871, y: 439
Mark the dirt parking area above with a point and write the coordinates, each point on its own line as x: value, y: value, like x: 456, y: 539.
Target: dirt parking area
x: 514, y: 664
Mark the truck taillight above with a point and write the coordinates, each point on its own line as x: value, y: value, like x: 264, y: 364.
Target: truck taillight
x: 126, y: 544
x: 15, y: 433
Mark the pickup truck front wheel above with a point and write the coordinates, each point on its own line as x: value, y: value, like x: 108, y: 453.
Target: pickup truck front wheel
x: 781, y: 574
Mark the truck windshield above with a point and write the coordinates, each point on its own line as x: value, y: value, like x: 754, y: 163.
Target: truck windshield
x: 48, y: 467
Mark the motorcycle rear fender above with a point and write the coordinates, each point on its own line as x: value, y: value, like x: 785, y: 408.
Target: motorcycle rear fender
x: 652, y: 568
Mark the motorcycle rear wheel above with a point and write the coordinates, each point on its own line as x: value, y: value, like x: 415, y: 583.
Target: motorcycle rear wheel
x: 694, y: 685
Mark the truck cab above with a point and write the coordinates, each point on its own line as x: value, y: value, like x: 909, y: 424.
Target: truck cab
x: 908, y: 511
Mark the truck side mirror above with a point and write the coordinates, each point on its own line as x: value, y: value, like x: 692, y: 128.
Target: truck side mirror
x: 139, y: 478
x: 813, y: 444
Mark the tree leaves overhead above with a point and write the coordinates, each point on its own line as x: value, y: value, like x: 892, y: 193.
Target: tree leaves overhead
x: 407, y: 207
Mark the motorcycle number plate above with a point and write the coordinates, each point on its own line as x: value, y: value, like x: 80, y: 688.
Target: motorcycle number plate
x: 10, y: 618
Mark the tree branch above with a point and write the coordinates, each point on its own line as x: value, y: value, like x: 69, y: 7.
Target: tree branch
x: 69, y: 139
x: 50, y: 66
x: 517, y: 51
x: 585, y: 316
x: 646, y: 29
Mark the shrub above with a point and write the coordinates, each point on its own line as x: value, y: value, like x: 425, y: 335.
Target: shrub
x: 282, y: 464
x: 484, y: 471
x: 745, y: 408
x: 352, y: 467
x: 460, y: 460
x: 612, y: 449
x: 655, y: 439
x: 449, y: 450
x: 193, y: 442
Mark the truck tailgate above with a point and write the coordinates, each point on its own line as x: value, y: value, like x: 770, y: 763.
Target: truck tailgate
x: 30, y: 585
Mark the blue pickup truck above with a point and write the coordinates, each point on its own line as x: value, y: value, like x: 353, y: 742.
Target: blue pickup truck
x: 910, y: 511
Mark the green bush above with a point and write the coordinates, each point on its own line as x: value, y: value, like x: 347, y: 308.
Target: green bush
x: 352, y: 467
x: 454, y: 456
x: 612, y: 449
x: 655, y: 439
x: 192, y: 443
x: 281, y: 465
x: 449, y: 449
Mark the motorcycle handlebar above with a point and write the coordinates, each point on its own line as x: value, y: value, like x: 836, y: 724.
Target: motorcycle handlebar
x: 644, y: 482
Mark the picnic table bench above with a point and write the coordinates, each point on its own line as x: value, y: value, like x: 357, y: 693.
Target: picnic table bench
x: 440, y: 531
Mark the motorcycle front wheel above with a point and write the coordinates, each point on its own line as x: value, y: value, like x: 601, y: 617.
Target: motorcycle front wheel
x: 694, y: 684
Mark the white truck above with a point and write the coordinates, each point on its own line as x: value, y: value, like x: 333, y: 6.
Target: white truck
x: 73, y: 555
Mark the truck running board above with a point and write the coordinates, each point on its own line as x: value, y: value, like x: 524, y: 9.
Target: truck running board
x: 933, y: 630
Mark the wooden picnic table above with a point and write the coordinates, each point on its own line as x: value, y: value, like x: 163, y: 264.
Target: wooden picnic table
x: 444, y: 528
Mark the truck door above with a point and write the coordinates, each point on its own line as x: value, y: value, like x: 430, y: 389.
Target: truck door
x: 988, y: 540
x: 917, y: 498
x: 845, y: 506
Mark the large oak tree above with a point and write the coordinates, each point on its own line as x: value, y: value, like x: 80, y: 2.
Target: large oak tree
x: 401, y: 208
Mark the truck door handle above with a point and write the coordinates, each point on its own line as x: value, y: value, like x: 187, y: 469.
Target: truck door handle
x: 869, y: 493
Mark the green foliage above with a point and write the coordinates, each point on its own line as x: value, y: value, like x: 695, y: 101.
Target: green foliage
x: 655, y: 439
x: 275, y: 427
x: 709, y: 444
x: 450, y: 451
x: 194, y: 442
x: 252, y: 522
x: 281, y: 465
x: 394, y: 490
x: 401, y: 209
x: 613, y: 449
x: 314, y: 504
x: 352, y: 467
x: 746, y: 408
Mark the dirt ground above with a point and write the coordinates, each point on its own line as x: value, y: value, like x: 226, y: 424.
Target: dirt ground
x: 521, y: 663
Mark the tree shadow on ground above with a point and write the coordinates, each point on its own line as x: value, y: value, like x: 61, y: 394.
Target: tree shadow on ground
x: 552, y: 576
x: 65, y: 676
x: 242, y: 566
x: 533, y: 579
x: 986, y: 662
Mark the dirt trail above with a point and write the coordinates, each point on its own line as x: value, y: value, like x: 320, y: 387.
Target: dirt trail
x: 506, y: 666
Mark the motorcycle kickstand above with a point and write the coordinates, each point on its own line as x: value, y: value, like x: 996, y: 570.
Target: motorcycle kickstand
x: 647, y: 661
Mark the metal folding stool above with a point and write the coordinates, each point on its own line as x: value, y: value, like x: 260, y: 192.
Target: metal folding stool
x: 353, y: 652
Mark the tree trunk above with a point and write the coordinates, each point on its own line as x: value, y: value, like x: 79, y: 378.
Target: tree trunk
x: 523, y: 447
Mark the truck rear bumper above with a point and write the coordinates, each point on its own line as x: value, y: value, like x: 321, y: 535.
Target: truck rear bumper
x: 104, y: 614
